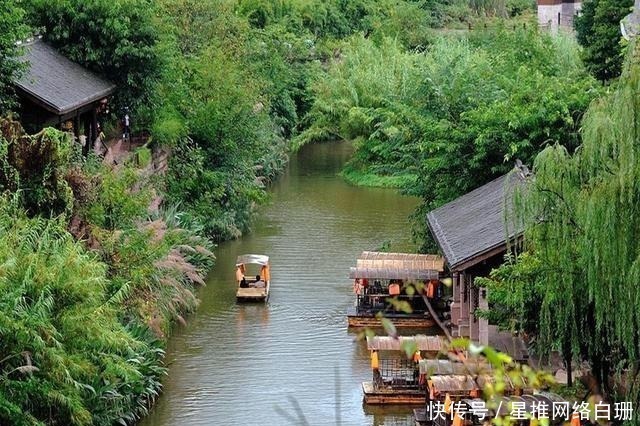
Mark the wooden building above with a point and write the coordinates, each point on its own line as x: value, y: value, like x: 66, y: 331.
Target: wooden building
x: 57, y: 92
x: 472, y: 232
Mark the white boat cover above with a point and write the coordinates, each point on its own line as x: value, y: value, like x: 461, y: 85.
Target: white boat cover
x: 258, y: 259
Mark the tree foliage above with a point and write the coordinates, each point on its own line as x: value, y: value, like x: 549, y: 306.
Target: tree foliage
x: 12, y: 30
x: 36, y: 166
x: 132, y: 276
x: 54, y: 363
x: 514, y: 294
x: 115, y: 38
x: 582, y: 222
x: 598, y: 31
x: 442, y: 122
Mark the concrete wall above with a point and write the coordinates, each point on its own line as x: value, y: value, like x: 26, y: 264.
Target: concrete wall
x: 554, y: 14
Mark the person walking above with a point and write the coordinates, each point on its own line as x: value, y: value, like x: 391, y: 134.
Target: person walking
x: 126, y: 125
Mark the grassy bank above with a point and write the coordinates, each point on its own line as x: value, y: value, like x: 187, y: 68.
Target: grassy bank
x: 90, y: 284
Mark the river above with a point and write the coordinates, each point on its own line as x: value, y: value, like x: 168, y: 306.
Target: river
x: 256, y: 365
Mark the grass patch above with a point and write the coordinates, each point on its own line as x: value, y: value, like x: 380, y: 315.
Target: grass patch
x: 369, y: 179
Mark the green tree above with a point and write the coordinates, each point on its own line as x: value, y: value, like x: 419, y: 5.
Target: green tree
x: 581, y: 217
x: 598, y: 31
x: 115, y: 38
x: 443, y: 122
x: 514, y: 295
x: 12, y: 30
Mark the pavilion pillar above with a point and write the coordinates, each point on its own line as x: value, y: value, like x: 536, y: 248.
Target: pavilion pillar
x: 483, y: 327
x: 76, y: 126
x: 463, y: 321
x: 87, y: 132
x: 464, y: 296
x: 473, y: 305
x: 455, y: 306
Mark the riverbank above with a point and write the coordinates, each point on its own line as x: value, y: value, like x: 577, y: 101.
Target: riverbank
x: 91, y: 285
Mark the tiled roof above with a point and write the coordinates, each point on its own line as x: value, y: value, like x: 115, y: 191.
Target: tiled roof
x: 475, y: 223
x: 60, y: 85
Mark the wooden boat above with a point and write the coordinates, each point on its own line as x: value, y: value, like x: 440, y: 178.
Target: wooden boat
x: 378, y: 278
x: 396, y: 379
x: 254, y: 287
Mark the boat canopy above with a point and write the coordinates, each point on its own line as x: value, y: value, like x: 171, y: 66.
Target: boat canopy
x: 423, y: 343
x: 457, y: 383
x: 258, y: 259
x: 454, y: 384
x: 393, y: 273
x: 439, y: 367
x: 411, y: 261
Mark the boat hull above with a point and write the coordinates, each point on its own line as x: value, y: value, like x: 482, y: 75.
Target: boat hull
x: 359, y: 320
x: 252, y: 295
x: 373, y: 396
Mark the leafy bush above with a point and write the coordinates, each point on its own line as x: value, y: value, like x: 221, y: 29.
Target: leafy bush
x: 36, y: 166
x: 55, y: 364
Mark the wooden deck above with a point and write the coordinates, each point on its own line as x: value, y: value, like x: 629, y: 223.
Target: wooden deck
x: 392, y: 396
x: 372, y: 322
x: 252, y: 294
x: 358, y: 320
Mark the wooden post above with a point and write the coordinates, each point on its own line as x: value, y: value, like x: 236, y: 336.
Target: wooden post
x: 483, y: 328
x: 473, y: 321
x: 455, y: 306
x: 464, y: 298
x: 87, y: 133
x: 94, y: 128
x: 76, y: 126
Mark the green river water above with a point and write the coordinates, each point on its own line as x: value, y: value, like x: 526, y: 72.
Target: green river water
x: 256, y: 365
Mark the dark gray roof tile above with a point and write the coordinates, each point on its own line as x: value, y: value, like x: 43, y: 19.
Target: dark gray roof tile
x: 474, y: 223
x: 59, y: 84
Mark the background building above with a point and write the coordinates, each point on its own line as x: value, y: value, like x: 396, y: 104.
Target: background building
x: 555, y: 14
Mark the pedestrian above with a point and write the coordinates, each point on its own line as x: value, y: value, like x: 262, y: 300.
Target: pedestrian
x: 127, y: 125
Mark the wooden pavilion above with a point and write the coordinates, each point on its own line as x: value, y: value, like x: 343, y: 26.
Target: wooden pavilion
x: 57, y: 92
x: 472, y: 232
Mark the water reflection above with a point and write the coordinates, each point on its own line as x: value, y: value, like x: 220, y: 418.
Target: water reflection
x: 236, y: 364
